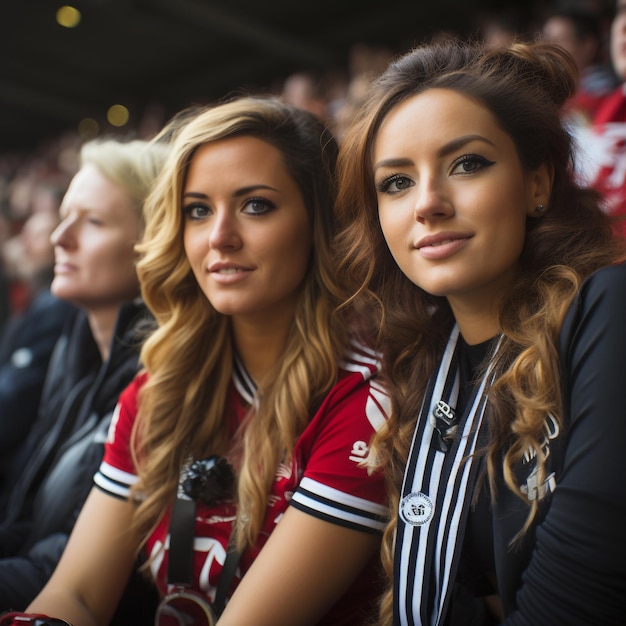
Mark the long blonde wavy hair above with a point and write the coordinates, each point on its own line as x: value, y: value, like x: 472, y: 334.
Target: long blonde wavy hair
x: 523, y: 87
x: 189, y: 356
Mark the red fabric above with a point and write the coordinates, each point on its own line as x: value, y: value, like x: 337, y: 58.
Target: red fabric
x: 14, y: 618
x: 607, y: 145
x: 325, y: 480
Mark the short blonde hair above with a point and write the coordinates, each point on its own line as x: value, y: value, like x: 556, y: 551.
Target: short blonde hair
x: 132, y: 165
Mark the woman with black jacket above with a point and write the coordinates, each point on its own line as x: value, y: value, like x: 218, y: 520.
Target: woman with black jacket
x: 95, y: 358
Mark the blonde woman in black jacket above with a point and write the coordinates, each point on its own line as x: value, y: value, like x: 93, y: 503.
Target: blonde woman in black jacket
x: 95, y: 358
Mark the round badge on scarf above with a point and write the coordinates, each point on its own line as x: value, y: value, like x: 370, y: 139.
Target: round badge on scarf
x: 416, y: 509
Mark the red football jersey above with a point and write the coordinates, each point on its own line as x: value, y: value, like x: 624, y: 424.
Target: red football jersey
x: 326, y: 479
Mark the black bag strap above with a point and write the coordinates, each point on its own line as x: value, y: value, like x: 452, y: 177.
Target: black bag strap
x: 180, y: 565
x: 226, y: 576
x: 182, y: 527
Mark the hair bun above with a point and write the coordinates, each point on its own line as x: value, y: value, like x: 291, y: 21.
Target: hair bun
x: 550, y: 67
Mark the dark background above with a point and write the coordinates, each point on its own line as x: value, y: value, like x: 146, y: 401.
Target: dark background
x: 179, y: 52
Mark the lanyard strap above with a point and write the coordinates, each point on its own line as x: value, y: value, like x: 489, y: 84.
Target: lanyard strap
x: 436, y: 495
x: 180, y: 564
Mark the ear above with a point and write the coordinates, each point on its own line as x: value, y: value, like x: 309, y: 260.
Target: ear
x: 539, y: 188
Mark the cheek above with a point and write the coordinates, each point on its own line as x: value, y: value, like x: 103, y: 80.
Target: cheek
x: 393, y: 225
x: 192, y: 247
x: 122, y: 263
x: 293, y: 258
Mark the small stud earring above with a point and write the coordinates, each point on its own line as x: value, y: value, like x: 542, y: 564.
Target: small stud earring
x: 539, y: 209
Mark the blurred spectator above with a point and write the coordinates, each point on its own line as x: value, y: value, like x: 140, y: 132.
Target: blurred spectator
x: 95, y: 358
x: 499, y: 29
x: 603, y: 148
x: 581, y: 34
x: 304, y: 90
x: 27, y: 341
x: 365, y: 63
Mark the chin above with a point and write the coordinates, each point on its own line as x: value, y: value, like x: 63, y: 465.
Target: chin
x: 61, y: 293
x: 229, y: 310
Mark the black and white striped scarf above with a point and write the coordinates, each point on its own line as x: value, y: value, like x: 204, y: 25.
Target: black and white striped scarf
x: 435, y: 501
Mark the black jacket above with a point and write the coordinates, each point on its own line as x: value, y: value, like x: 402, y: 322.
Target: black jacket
x: 571, y: 566
x: 54, y: 470
x: 26, y: 345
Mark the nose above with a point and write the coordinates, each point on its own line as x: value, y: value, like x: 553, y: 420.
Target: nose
x: 224, y: 233
x: 61, y: 235
x: 431, y: 201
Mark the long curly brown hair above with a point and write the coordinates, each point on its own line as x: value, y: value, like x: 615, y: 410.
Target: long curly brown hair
x: 523, y: 87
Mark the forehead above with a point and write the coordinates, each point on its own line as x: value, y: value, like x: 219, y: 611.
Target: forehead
x: 434, y: 117
x: 249, y: 152
x: 91, y: 190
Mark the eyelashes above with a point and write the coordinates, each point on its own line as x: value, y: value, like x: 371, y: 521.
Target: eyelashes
x: 471, y: 163
x: 465, y: 165
x: 255, y: 206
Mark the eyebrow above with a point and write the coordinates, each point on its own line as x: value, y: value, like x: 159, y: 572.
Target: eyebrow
x: 240, y: 192
x: 448, y: 148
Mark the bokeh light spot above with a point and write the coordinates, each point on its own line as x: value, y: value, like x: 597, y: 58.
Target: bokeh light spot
x: 68, y: 16
x: 118, y: 115
x: 88, y: 128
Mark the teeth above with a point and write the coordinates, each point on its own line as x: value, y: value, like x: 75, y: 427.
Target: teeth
x: 440, y: 243
x: 229, y: 270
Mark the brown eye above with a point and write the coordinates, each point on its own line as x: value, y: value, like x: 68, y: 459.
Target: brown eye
x: 395, y: 184
x: 470, y: 163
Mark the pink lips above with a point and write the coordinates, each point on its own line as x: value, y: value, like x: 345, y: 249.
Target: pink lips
x: 229, y: 273
x: 442, y: 245
x: 61, y: 268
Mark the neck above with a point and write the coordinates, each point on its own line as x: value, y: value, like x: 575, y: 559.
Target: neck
x: 102, y: 325
x: 259, y: 345
x: 476, y: 324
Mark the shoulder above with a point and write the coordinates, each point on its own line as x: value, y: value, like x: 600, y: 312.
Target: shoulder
x: 592, y: 345
x: 129, y: 395
x: 609, y: 280
x: 360, y: 359
x: 126, y: 411
x: 359, y: 387
x: 352, y: 411
x: 601, y: 302
x: 117, y: 472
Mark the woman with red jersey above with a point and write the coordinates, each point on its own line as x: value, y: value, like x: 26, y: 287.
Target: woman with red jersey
x: 257, y: 405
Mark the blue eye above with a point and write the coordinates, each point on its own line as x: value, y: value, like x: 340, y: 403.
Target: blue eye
x: 196, y: 211
x: 258, y: 206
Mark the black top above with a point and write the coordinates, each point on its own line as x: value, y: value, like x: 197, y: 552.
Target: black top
x: 62, y: 452
x: 570, y: 569
x: 574, y: 572
x: 26, y: 345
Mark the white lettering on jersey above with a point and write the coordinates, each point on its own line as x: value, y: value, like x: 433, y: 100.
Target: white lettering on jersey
x: 213, y: 549
x: 551, y: 429
x: 533, y: 490
x: 214, y: 553
x: 359, y: 451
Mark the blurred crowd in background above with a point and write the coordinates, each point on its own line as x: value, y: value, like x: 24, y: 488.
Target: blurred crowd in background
x: 32, y: 185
